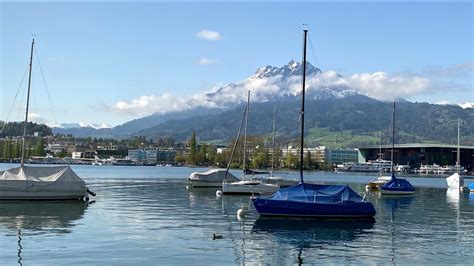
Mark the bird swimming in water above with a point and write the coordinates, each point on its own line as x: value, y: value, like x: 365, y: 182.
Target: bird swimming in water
x: 214, y: 237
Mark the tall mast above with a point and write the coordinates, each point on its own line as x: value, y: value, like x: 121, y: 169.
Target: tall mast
x: 393, y: 140
x: 380, y: 147
x: 273, y: 141
x: 458, y: 159
x: 23, y: 146
x: 302, y: 107
x: 244, y: 167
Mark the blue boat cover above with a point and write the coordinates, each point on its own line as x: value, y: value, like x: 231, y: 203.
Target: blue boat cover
x: 304, y: 192
x: 471, y: 186
x: 318, y: 201
x: 397, y: 184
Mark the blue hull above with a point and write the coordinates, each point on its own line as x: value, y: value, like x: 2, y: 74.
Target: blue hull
x: 348, y: 209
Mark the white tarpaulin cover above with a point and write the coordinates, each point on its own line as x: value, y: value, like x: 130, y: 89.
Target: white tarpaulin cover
x: 41, y: 181
x: 213, y: 175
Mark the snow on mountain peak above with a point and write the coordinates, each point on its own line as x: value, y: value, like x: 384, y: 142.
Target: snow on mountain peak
x: 291, y: 69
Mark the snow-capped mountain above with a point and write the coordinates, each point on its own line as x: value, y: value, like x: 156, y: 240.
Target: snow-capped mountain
x: 279, y: 83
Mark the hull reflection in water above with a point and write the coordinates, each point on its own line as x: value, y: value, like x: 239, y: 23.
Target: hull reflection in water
x: 41, y: 216
x: 306, y: 236
x: 322, y: 229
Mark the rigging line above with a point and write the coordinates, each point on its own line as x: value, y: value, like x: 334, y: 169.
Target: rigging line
x: 14, y: 99
x: 313, y: 50
x: 34, y: 105
x: 22, y: 99
x: 313, y: 53
x: 45, y: 86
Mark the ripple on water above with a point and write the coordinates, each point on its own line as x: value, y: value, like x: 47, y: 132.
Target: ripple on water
x: 144, y: 216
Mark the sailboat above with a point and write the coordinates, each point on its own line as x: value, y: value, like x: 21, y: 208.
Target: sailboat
x: 396, y: 186
x: 456, y: 181
x: 278, y: 180
x: 37, y: 182
x: 252, y: 185
x: 381, y: 179
x: 311, y: 200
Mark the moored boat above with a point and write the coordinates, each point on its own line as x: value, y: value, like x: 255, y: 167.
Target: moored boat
x: 396, y: 186
x: 254, y: 187
x: 210, y: 178
x: 40, y: 182
x: 311, y: 200
x: 456, y: 181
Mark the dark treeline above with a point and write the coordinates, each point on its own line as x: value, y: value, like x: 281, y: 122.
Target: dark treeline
x: 15, y: 129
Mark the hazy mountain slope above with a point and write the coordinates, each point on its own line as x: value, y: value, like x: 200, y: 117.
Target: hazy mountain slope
x: 415, y: 121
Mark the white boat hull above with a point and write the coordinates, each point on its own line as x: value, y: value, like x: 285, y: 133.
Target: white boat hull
x: 455, y: 181
x: 281, y: 182
x: 243, y: 187
x: 42, y: 195
x: 204, y: 184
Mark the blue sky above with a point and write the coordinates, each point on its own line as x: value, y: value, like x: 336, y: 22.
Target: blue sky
x: 97, y: 55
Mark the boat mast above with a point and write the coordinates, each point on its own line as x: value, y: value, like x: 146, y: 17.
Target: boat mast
x: 244, y: 167
x: 302, y: 107
x: 273, y: 141
x: 380, y: 147
x: 393, y: 140
x: 23, y: 146
x: 458, y: 159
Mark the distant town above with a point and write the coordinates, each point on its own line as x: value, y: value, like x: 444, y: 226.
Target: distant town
x: 45, y: 148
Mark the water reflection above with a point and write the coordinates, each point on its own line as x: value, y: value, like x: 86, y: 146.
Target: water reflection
x: 393, y: 203
x: 453, y: 196
x: 20, y: 248
x: 305, y: 235
x: 28, y: 218
x: 41, y: 217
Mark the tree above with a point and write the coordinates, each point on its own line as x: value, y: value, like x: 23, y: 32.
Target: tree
x: 291, y: 160
x: 193, y: 151
x: 39, y: 147
x: 204, y: 155
x: 309, y: 164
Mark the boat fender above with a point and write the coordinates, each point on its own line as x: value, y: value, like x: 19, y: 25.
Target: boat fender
x: 214, y: 237
x: 241, y: 212
x: 91, y: 192
x: 218, y: 193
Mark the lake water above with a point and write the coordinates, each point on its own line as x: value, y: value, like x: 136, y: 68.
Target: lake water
x: 145, y: 215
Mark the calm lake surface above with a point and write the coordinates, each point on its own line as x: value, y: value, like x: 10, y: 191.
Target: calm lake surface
x: 145, y: 215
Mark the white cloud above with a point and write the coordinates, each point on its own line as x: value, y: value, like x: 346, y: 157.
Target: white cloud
x: 466, y: 105
x: 382, y: 86
x: 378, y: 85
x: 206, y: 61
x: 39, y: 119
x: 209, y: 35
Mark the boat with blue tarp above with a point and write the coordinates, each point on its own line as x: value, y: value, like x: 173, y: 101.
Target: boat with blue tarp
x: 396, y: 186
x: 311, y: 200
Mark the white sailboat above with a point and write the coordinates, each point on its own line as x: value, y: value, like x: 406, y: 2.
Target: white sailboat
x: 39, y: 182
x: 252, y: 185
x: 381, y: 179
x: 278, y: 180
x: 456, y: 181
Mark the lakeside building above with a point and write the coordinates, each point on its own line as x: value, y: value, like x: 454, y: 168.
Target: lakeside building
x: 152, y: 155
x: 339, y: 156
x: 416, y: 154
